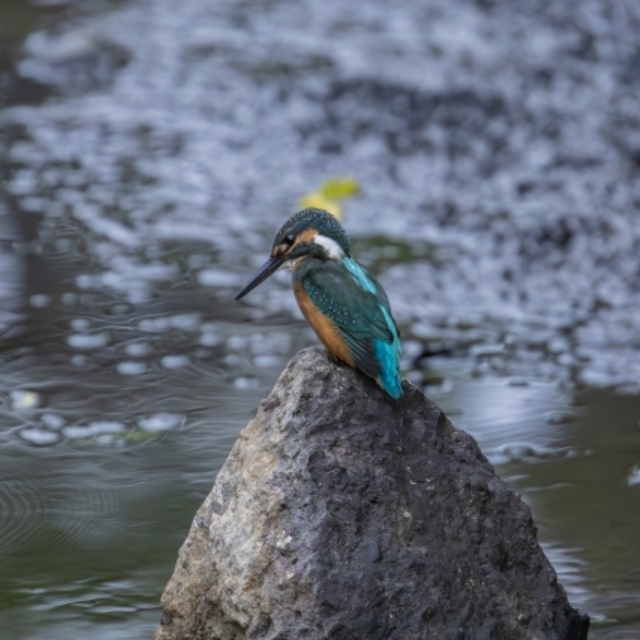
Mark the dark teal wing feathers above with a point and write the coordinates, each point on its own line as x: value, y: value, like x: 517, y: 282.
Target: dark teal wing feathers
x: 362, y: 315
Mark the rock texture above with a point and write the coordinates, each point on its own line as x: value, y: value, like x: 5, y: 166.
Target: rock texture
x: 343, y: 515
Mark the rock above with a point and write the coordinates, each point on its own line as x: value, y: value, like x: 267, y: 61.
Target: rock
x: 341, y: 514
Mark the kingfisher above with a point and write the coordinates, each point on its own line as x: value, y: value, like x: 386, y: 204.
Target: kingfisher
x: 343, y: 303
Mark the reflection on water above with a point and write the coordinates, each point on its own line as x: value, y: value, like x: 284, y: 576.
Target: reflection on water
x: 12, y: 281
x: 146, y: 183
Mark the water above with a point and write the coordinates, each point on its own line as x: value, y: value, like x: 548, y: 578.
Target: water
x: 148, y: 156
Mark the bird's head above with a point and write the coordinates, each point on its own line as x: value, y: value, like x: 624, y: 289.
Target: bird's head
x: 310, y: 232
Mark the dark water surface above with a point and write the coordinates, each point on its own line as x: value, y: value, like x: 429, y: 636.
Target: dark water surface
x: 148, y: 154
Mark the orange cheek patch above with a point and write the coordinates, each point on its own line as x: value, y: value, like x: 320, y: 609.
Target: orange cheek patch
x: 306, y: 236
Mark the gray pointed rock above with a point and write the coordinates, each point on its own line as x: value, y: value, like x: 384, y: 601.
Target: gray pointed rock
x: 341, y: 514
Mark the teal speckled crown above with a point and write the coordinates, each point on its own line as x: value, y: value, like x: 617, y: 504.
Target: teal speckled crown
x: 317, y: 219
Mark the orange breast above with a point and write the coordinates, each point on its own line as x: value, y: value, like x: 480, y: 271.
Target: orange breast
x: 325, y: 329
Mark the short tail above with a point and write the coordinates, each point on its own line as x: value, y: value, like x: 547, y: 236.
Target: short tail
x: 389, y: 376
x: 392, y: 387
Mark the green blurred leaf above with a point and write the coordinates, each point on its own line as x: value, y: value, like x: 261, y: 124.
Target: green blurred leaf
x: 340, y: 188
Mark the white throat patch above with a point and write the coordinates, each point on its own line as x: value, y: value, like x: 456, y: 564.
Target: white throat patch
x: 333, y: 249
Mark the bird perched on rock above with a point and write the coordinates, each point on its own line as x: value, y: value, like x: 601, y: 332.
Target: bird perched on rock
x: 344, y: 304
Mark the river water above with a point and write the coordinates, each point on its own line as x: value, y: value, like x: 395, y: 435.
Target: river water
x: 149, y: 152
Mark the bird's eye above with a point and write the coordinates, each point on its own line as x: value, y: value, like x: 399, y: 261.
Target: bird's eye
x: 285, y: 245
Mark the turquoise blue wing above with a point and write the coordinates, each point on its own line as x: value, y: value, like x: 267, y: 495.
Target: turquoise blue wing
x: 363, y: 317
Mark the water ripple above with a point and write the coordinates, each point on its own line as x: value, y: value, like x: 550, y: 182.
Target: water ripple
x: 55, y: 509
x: 529, y: 452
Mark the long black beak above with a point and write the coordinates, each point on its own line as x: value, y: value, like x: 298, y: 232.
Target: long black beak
x: 269, y: 267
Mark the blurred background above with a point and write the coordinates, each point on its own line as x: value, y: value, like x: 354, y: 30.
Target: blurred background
x: 149, y: 151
